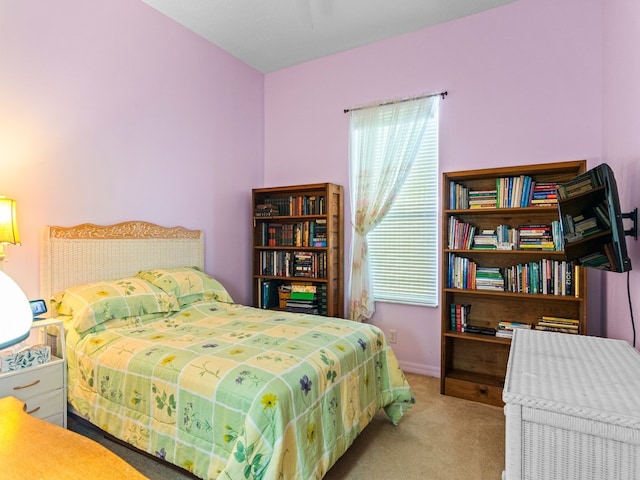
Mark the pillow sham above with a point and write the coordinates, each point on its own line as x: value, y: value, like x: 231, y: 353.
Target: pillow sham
x: 137, y: 321
x: 189, y: 284
x: 93, y: 304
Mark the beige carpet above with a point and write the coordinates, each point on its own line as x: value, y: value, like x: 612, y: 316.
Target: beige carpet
x: 440, y: 438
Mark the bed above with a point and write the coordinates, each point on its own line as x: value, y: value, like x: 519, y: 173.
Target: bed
x: 160, y: 357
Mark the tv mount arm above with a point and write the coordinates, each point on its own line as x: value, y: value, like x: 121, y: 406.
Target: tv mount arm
x: 633, y: 231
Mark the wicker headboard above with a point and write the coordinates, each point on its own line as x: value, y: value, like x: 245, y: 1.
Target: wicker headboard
x: 89, y: 253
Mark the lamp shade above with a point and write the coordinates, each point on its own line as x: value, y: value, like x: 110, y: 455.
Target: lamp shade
x: 15, y: 312
x: 8, y: 221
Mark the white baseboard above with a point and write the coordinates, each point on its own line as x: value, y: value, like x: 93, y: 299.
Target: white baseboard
x: 420, y: 369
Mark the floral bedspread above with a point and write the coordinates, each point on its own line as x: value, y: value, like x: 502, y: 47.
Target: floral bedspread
x: 234, y: 392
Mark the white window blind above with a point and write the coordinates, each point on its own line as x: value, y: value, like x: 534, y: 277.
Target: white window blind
x: 403, y: 247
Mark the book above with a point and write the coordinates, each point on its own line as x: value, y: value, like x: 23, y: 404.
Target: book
x: 461, y: 234
x: 601, y: 211
x: 480, y: 330
x: 269, y: 295
x: 452, y: 317
x: 461, y: 317
x: 505, y: 328
x: 266, y: 210
x: 295, y: 295
x: 558, y: 324
x: 302, y: 287
x: 556, y: 329
x: 573, y: 321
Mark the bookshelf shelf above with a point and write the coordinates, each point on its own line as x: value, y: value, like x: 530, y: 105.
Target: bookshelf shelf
x: 297, y: 239
x: 479, y: 338
x: 289, y: 247
x: 507, y: 295
x: 533, y: 253
x: 501, y: 211
x: 473, y: 365
x: 491, y: 380
x: 290, y: 279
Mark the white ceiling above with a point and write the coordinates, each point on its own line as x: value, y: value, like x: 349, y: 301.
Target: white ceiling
x: 275, y: 34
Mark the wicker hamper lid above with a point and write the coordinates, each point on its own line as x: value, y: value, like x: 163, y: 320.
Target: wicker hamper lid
x: 589, y: 377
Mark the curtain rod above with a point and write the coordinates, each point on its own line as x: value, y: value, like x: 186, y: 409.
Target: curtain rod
x: 442, y: 94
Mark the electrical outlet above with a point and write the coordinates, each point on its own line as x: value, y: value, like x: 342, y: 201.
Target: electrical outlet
x: 393, y: 336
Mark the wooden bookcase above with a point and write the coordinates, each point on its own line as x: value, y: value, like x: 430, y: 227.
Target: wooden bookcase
x: 298, y: 238
x: 473, y: 365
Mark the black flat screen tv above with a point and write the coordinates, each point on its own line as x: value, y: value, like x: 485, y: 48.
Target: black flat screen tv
x: 591, y: 221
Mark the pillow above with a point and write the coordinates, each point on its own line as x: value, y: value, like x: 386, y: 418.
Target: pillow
x: 95, y: 303
x: 189, y: 284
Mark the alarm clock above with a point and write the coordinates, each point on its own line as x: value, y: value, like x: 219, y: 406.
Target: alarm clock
x: 38, y: 307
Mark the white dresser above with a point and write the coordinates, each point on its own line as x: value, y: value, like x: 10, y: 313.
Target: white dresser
x: 43, y: 388
x: 572, y: 408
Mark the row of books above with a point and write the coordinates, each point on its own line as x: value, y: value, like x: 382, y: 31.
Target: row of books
x: 309, y: 264
x: 266, y: 210
x: 293, y: 264
x: 544, y: 194
x: 489, y: 278
x: 482, y: 198
x: 300, y: 234
x: 461, y: 234
x: 513, y: 191
x: 461, y: 272
x: 510, y: 192
x: 303, y: 298
x: 291, y: 205
x: 540, y: 237
x: 459, y: 322
x: 523, y: 191
x: 459, y: 315
x: 268, y: 293
x: 545, y: 276
x: 306, y: 299
x: 558, y: 324
x: 603, y: 260
x: 458, y: 196
x: 581, y: 184
x: 577, y: 227
x: 505, y: 329
x: 465, y: 274
x: 465, y: 236
x: 486, y: 239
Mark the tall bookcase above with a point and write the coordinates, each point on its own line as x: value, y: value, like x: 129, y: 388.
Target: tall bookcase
x: 473, y: 361
x: 298, y: 240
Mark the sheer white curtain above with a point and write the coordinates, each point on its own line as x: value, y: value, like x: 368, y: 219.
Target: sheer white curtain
x: 383, y: 143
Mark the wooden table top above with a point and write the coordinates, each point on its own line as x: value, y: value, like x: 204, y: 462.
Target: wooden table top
x: 33, y: 449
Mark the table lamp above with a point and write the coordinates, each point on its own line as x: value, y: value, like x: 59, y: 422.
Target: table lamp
x: 8, y: 225
x: 15, y: 312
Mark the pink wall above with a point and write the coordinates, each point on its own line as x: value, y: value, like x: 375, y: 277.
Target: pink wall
x: 525, y: 86
x: 621, y: 148
x: 110, y: 111
x: 104, y: 106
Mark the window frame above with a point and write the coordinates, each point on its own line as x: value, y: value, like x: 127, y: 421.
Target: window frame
x: 404, y: 289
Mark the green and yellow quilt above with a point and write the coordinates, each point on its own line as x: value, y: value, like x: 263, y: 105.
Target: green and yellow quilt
x: 232, y: 392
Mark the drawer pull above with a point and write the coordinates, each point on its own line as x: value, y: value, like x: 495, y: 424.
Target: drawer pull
x: 20, y: 387
x: 483, y: 391
x: 33, y: 411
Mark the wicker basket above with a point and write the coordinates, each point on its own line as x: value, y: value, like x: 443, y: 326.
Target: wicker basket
x: 283, y: 296
x: 571, y: 408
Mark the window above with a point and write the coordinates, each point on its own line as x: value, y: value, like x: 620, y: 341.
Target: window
x: 393, y: 154
x: 403, y: 247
